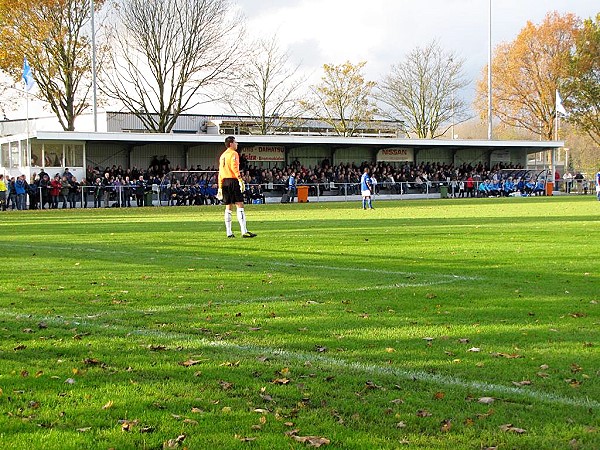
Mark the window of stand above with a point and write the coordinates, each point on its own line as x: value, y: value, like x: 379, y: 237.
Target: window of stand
x: 73, y: 155
x: 53, y: 155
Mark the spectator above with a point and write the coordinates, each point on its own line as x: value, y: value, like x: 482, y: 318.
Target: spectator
x: 55, y: 188
x: 3, y: 190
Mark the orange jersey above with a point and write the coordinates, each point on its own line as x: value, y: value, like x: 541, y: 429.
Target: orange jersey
x: 229, y: 166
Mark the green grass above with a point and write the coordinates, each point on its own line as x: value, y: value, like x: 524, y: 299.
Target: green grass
x: 378, y: 329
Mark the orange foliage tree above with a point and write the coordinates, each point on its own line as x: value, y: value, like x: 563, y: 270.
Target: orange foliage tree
x: 55, y: 36
x: 527, y: 73
x: 583, y: 105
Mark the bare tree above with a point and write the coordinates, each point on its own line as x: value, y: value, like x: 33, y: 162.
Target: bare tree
x: 422, y: 90
x: 54, y: 37
x: 268, y: 88
x: 343, y: 99
x: 166, y: 53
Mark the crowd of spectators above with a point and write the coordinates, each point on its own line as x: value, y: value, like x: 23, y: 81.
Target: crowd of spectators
x: 118, y: 186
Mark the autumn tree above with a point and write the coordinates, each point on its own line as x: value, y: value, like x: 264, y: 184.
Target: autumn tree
x: 343, y: 99
x: 422, y: 91
x: 527, y: 73
x: 54, y: 35
x: 267, y: 88
x: 166, y: 53
x: 583, y: 103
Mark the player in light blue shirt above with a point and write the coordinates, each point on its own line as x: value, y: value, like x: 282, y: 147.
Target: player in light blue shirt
x: 366, y: 186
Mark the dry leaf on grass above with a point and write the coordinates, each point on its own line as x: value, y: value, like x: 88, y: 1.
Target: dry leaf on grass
x: 446, y: 425
x: 506, y: 355
x: 174, y: 443
x: 225, y: 385
x: 190, y: 362
x: 510, y: 428
x: 312, y: 441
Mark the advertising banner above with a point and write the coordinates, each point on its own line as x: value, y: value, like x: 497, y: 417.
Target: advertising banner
x: 264, y: 153
x: 395, y: 154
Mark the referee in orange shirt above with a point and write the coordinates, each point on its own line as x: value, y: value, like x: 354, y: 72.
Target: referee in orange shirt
x: 232, y: 187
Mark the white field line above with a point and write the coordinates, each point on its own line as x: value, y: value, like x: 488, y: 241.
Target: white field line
x: 404, y: 275
x: 484, y: 387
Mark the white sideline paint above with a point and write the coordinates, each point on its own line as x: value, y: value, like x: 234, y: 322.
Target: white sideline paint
x: 450, y: 277
x: 337, y: 363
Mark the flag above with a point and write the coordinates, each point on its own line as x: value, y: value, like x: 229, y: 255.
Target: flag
x: 27, y: 76
x: 559, y: 106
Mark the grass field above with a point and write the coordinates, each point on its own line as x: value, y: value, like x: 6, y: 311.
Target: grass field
x: 440, y: 324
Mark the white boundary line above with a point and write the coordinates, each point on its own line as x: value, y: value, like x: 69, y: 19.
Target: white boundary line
x: 337, y: 363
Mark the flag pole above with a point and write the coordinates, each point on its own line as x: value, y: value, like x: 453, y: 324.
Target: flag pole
x: 489, y: 74
x: 94, y: 88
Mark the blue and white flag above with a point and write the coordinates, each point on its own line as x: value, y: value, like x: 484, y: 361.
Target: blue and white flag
x: 27, y: 76
x: 559, y: 106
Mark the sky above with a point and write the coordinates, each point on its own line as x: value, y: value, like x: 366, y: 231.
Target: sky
x: 382, y: 32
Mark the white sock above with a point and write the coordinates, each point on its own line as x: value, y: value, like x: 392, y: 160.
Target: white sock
x: 241, y: 216
x: 228, y: 221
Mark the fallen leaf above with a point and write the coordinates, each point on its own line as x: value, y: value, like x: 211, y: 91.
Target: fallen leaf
x: 371, y: 385
x: 439, y: 395
x: 83, y: 430
x: 108, y: 405
x: 230, y: 364
x: 281, y: 381
x: 190, y: 362
x: 127, y: 425
x: 509, y: 428
x: 312, y: 441
x: 506, y: 355
x: 225, y: 385
x: 522, y: 383
x: 156, y: 348
x: 474, y: 349
x: 423, y: 413
x: 486, y: 400
x: 446, y: 425
x: 174, y: 443
x: 576, y: 368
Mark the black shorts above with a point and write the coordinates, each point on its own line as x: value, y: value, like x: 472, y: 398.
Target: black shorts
x: 231, y: 191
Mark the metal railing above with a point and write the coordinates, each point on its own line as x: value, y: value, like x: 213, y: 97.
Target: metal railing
x: 177, y: 195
